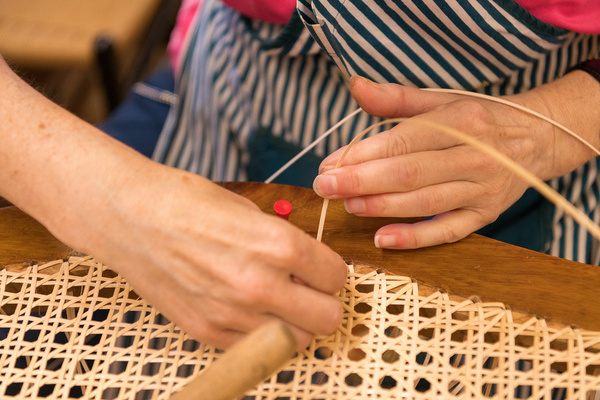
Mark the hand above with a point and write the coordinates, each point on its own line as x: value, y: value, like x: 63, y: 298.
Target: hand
x: 413, y: 170
x: 214, y: 263
x: 208, y: 259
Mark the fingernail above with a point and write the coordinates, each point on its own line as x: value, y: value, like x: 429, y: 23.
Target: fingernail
x: 362, y: 78
x: 384, y: 241
x: 355, y: 206
x: 324, y: 169
x: 325, y: 185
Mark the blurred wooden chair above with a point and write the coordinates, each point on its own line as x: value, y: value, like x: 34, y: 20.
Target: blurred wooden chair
x: 110, y: 39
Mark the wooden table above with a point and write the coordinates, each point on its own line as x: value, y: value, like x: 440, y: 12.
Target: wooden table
x: 561, y: 291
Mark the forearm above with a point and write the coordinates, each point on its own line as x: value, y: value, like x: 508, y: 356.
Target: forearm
x: 50, y: 159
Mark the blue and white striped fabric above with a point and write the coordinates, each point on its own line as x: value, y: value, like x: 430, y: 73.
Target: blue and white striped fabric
x: 253, y: 94
x: 494, y: 46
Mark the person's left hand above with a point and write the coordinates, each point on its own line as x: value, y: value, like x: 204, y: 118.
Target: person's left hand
x: 414, y: 170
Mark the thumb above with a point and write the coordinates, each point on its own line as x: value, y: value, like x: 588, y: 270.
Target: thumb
x: 390, y: 100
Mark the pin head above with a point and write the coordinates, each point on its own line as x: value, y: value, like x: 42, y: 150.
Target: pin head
x: 283, y: 208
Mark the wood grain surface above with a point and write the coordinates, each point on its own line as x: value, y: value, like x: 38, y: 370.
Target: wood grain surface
x: 23, y: 241
x: 559, y: 290
x: 562, y: 291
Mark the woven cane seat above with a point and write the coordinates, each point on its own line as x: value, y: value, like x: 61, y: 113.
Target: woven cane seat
x: 75, y: 329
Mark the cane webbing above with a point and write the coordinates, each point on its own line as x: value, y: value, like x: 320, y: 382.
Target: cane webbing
x: 77, y: 330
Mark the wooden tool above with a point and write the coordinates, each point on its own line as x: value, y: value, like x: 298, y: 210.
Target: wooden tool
x: 243, y: 366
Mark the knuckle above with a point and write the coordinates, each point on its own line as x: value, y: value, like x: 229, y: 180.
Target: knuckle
x: 221, y: 317
x: 203, y: 332
x: 352, y: 184
x: 494, y: 191
x: 473, y: 108
x: 478, y: 121
x: 431, y: 202
x: 485, y: 217
x: 376, y: 206
x: 410, y: 175
x: 449, y: 233
x: 398, y: 145
x: 256, y: 291
x: 410, y: 239
x: 290, y: 250
x: 285, y: 244
x: 248, y: 289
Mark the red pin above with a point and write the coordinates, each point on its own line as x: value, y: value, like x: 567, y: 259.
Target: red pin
x: 283, y: 208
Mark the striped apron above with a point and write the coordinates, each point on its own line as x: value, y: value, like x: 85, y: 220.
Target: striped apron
x: 252, y: 94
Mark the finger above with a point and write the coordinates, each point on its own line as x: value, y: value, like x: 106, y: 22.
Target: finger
x: 445, y: 228
x: 303, y: 338
x: 314, y: 263
x: 410, y: 136
x: 274, y: 245
x: 306, y: 308
x: 229, y: 325
x: 202, y: 330
x: 403, y: 173
x: 331, y: 160
x: 214, y: 322
x: 222, y: 314
x: 224, y: 339
x: 308, y: 304
x: 260, y: 288
x: 430, y: 200
x: 392, y: 100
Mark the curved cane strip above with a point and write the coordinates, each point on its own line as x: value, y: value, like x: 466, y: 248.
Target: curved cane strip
x: 310, y: 146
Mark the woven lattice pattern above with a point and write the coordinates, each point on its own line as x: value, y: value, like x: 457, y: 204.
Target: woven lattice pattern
x: 76, y: 330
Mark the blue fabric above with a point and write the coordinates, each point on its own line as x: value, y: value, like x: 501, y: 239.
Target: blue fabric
x: 138, y: 121
x: 268, y: 153
x: 526, y: 223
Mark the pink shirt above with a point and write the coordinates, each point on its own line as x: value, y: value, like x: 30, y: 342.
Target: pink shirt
x: 185, y: 16
x: 576, y: 15
x: 275, y: 11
